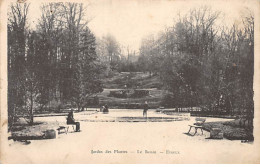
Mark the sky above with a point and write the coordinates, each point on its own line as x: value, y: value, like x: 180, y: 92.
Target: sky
x: 131, y: 20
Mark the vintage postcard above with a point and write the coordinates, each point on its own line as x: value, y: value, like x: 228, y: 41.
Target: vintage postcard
x: 129, y: 82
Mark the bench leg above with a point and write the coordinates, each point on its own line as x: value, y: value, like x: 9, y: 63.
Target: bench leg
x: 190, y: 129
x: 195, y: 131
x: 201, y: 130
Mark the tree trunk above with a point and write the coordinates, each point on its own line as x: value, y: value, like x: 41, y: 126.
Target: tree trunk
x: 231, y: 108
x: 41, y: 107
x: 31, y: 110
x: 79, y: 107
x: 13, y: 116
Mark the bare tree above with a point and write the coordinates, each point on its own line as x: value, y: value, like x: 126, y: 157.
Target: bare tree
x: 17, y: 55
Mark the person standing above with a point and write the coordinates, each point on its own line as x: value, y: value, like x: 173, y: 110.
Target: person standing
x: 146, y: 107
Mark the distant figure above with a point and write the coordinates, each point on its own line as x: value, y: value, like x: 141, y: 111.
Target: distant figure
x: 102, y: 108
x: 146, y: 107
x: 105, y: 110
x: 71, y: 121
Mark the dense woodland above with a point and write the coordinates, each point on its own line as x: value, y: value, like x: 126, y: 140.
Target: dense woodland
x: 200, y: 62
x: 204, y: 63
x: 57, y: 61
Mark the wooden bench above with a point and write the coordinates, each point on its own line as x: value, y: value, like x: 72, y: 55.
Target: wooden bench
x: 198, y: 125
x: 65, y: 128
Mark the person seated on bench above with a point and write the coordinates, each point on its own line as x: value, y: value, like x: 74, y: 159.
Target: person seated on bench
x: 105, y: 110
x: 71, y: 121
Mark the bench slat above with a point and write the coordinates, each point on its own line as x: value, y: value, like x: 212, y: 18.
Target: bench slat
x: 195, y: 126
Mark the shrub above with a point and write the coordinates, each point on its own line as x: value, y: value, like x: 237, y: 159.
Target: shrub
x: 167, y: 101
x: 94, y: 101
x: 140, y: 93
x: 118, y: 94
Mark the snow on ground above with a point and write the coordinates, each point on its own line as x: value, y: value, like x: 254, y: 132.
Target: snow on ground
x: 167, y: 139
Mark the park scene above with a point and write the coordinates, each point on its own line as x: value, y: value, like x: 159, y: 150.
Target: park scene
x: 74, y: 73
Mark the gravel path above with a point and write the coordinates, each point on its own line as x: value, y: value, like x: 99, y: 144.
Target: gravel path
x: 164, y: 142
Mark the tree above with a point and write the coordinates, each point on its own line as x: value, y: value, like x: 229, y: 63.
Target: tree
x: 17, y: 30
x: 86, y: 81
x: 70, y: 49
x: 146, y: 53
x: 109, y: 52
x: 49, y: 53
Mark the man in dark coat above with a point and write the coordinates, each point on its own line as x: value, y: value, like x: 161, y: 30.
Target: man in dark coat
x: 71, y: 121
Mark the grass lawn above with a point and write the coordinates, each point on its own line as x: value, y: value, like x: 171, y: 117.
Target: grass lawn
x: 153, y: 99
x: 137, y: 80
x: 22, y: 131
x: 133, y: 80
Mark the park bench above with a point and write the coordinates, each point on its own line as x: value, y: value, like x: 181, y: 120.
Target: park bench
x: 65, y: 128
x: 198, y: 125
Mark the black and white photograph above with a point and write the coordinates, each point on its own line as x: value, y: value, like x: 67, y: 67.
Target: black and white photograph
x: 129, y: 82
